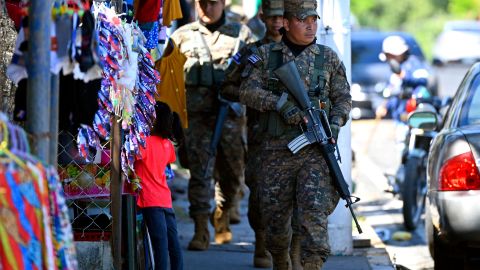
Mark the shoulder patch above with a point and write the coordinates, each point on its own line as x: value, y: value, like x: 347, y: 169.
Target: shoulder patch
x: 237, y: 58
x: 254, y: 59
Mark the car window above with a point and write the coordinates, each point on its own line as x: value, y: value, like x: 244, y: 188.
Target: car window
x: 470, y: 114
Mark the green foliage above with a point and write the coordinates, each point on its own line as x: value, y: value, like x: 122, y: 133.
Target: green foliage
x: 424, y: 19
x: 467, y: 9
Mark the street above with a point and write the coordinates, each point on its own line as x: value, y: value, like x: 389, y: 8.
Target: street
x: 373, y: 142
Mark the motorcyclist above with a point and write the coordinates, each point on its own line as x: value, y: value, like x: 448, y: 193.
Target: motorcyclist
x: 408, y: 73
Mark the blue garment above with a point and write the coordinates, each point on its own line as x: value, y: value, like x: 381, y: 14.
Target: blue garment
x: 416, y: 74
x: 162, y: 228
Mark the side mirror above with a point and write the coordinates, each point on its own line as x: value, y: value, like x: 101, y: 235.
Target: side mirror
x: 423, y: 120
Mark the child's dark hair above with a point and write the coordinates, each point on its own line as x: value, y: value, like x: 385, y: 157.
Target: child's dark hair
x: 167, y: 125
x: 164, y: 122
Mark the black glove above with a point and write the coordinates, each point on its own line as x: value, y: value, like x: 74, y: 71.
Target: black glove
x: 335, y: 129
x: 289, y: 111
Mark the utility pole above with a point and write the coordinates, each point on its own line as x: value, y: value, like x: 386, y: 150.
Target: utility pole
x: 38, y: 68
x: 116, y: 180
x: 334, y: 31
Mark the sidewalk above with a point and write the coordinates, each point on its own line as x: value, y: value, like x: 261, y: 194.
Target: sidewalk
x: 238, y: 255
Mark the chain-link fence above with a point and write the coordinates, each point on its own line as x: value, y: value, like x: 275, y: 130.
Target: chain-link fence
x: 87, y: 189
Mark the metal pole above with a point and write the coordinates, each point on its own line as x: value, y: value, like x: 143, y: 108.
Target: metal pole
x: 116, y: 182
x: 334, y: 31
x: 54, y: 105
x: 131, y: 231
x: 38, y: 68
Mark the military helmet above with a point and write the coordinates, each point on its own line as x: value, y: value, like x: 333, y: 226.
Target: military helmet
x: 301, y: 8
x: 272, y: 7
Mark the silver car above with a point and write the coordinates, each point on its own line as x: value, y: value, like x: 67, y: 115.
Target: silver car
x: 452, y: 219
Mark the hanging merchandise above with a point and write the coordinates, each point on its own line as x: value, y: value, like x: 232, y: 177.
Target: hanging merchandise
x: 146, y: 11
x: 127, y: 89
x: 171, y: 89
x: 34, y: 224
x: 171, y: 11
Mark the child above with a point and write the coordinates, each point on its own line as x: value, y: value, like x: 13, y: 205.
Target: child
x: 155, y: 198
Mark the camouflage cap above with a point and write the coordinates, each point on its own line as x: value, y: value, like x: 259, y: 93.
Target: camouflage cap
x: 272, y: 7
x: 301, y: 8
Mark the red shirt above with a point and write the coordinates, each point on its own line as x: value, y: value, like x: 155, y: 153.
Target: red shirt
x: 150, y: 169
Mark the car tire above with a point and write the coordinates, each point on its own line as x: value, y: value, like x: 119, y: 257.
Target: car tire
x: 413, y: 200
x: 442, y: 256
x: 429, y: 230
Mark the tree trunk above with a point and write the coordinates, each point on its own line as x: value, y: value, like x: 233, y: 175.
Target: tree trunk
x: 8, y: 36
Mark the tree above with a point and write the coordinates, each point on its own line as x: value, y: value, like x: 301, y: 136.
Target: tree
x: 8, y: 36
x: 467, y: 9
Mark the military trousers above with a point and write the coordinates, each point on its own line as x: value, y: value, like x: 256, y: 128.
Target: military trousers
x: 228, y: 170
x: 252, y: 180
x: 303, y: 179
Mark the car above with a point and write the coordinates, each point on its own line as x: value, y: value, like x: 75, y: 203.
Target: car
x: 370, y: 75
x: 452, y: 213
x: 459, y: 42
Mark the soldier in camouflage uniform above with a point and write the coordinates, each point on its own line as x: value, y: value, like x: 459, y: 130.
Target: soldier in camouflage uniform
x: 209, y: 43
x: 302, y: 178
x: 272, y: 16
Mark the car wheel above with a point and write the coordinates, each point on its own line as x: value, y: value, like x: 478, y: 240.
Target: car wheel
x: 413, y: 192
x: 442, y: 256
x: 429, y: 228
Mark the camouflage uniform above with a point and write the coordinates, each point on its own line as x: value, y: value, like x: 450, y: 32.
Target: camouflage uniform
x: 303, y: 177
x: 231, y: 92
x: 208, y: 56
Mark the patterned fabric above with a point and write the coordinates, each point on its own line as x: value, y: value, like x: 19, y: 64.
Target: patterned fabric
x: 229, y: 163
x: 302, y: 179
x: 150, y: 31
x: 208, y: 56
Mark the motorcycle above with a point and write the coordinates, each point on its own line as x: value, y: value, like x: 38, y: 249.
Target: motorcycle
x: 409, y: 182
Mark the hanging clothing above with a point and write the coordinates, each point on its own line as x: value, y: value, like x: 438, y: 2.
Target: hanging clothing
x: 171, y: 89
x: 34, y: 222
x: 171, y: 11
x: 147, y: 10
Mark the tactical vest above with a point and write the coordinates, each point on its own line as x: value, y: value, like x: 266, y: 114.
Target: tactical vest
x: 272, y: 122
x: 200, y: 69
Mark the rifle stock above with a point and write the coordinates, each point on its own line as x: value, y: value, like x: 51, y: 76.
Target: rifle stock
x: 318, y: 131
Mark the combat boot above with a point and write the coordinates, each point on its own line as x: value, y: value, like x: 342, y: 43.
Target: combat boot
x: 281, y: 261
x: 261, y: 257
x: 201, y: 239
x: 316, y: 265
x: 221, y: 222
x: 295, y: 250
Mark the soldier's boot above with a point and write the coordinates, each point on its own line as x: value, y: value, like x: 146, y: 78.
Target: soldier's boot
x: 295, y: 250
x: 201, y: 238
x: 315, y: 265
x: 281, y: 261
x: 221, y: 222
x: 261, y: 257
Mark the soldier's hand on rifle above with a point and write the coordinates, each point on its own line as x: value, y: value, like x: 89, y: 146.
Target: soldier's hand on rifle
x: 335, y: 129
x: 290, y: 112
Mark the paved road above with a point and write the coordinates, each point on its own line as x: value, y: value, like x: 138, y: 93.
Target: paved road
x: 375, y: 154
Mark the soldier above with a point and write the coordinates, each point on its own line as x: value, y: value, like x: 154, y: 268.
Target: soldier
x: 209, y: 43
x: 272, y: 16
x: 303, y: 178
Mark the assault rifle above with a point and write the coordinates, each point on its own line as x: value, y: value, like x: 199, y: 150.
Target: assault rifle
x: 223, y: 109
x: 317, y: 132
